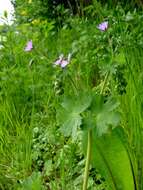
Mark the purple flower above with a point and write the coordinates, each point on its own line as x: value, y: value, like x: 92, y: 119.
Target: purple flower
x: 58, y: 61
x: 29, y: 46
x: 103, y: 26
x: 63, y: 62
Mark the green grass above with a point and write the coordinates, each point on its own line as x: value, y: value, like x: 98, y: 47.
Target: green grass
x: 132, y: 107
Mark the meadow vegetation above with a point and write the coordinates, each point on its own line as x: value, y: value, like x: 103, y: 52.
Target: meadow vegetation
x: 71, y: 96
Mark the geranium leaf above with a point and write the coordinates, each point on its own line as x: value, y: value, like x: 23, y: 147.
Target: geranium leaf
x: 69, y: 127
x: 105, y: 114
x: 106, y: 119
x: 68, y: 114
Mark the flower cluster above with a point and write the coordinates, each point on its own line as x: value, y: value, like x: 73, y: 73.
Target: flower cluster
x: 62, y: 61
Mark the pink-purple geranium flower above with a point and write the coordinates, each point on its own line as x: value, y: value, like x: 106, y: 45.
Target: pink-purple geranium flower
x: 103, y: 26
x: 29, y: 46
x: 62, y: 61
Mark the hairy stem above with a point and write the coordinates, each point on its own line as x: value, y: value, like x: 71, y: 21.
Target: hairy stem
x: 88, y: 156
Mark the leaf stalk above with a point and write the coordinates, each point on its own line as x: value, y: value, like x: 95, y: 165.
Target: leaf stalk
x: 88, y: 157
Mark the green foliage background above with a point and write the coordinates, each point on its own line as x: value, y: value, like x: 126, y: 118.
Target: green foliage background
x: 39, y: 102
x: 29, y: 10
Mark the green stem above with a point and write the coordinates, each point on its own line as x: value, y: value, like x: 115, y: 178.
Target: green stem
x: 73, y: 83
x: 88, y: 157
x: 105, y: 82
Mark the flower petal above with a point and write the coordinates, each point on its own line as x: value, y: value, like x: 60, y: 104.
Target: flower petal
x: 103, y: 26
x: 64, y: 63
x: 29, y: 46
x: 57, y: 62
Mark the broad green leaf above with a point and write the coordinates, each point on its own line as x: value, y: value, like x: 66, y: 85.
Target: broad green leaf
x: 111, y: 158
x: 68, y: 114
x: 33, y: 182
x: 69, y: 126
x: 105, y: 114
x: 105, y: 120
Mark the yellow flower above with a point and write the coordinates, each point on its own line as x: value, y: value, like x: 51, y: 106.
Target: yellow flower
x: 23, y: 13
x: 36, y: 21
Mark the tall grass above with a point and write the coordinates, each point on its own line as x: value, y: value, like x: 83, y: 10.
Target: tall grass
x: 131, y: 104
